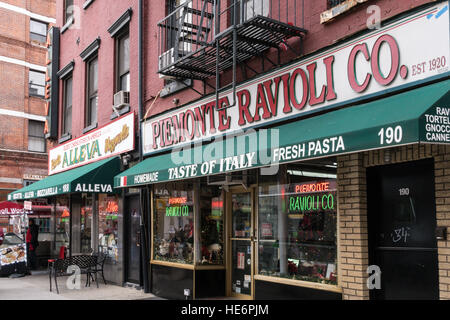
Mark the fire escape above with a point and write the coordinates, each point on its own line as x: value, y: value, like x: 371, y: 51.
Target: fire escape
x: 201, y: 39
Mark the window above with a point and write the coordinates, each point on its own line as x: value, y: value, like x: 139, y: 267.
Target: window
x: 108, y: 226
x: 334, y: 3
x: 92, y: 92
x: 27, y: 183
x: 211, y: 205
x: 36, y: 83
x: 297, y: 224
x: 183, y: 210
x: 67, y: 107
x: 173, y: 233
x: 87, y: 201
x: 62, y: 223
x: 38, y: 31
x: 123, y: 63
x: 36, y: 137
x: 68, y: 10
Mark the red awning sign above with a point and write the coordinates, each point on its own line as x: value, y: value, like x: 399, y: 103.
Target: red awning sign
x: 11, y: 208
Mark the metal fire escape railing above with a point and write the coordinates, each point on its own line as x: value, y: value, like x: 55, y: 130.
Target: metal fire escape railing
x: 202, y: 38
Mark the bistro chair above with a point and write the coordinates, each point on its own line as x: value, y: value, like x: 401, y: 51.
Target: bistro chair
x: 99, y: 267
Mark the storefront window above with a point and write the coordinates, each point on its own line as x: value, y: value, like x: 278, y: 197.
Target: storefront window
x: 86, y: 223
x: 62, y: 223
x: 297, y: 224
x: 173, y: 224
x: 108, y: 229
x: 211, y: 225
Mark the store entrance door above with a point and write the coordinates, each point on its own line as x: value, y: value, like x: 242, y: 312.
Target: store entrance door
x: 240, y: 243
x: 133, y: 250
x: 402, y: 223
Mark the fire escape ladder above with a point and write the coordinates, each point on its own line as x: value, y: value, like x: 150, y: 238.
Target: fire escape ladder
x: 180, y: 35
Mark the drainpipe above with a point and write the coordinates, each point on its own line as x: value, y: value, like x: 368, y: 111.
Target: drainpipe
x: 142, y: 193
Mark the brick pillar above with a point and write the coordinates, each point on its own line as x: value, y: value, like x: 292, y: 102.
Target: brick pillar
x: 352, y: 232
x: 442, y: 185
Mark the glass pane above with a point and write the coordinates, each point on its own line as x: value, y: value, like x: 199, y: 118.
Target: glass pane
x: 68, y: 120
x: 68, y: 89
x: 241, y: 267
x: 297, y: 227
x: 68, y: 9
x: 62, y: 224
x: 39, y: 28
x: 68, y: 106
x: 38, y: 37
x: 36, y: 128
x: 36, y: 144
x: 37, y: 78
x: 211, y: 225
x: 173, y: 236
x: 125, y: 82
x: 86, y: 223
x: 93, y: 76
x: 124, y: 55
x: 36, y: 83
x: 241, y: 217
x: 108, y: 226
x: 92, y: 111
x: 36, y: 139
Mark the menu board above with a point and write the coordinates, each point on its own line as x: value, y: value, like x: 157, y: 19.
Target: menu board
x: 12, y: 255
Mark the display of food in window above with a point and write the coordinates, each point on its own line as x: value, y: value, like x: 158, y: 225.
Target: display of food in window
x: 211, y: 225
x: 173, y: 239
x: 297, y: 229
x: 109, y: 226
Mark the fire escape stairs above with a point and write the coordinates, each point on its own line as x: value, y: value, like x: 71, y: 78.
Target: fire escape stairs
x: 202, y: 51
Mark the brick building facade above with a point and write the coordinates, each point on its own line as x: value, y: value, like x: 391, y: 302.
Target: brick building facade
x: 287, y: 147
x: 330, y: 27
x: 23, y: 30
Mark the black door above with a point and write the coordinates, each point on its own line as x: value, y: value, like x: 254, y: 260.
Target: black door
x: 402, y: 223
x: 133, y: 250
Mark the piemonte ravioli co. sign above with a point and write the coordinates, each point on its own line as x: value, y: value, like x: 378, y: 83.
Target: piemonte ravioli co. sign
x: 112, y: 139
x: 401, y: 54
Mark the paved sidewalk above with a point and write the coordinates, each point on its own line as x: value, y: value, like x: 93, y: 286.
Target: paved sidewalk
x: 36, y: 287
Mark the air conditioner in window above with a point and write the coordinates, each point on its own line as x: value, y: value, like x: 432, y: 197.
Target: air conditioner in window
x: 121, y: 99
x: 165, y: 60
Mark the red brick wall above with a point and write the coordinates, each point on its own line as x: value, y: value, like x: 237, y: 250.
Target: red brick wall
x: 15, y: 160
x: 319, y: 36
x: 93, y: 23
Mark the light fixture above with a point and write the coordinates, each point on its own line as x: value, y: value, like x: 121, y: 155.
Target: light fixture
x: 126, y: 159
x: 387, y: 156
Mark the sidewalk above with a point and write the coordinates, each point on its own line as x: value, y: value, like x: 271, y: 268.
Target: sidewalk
x: 36, y: 287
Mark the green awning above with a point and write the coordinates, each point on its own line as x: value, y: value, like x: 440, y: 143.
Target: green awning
x: 92, y: 178
x: 420, y: 115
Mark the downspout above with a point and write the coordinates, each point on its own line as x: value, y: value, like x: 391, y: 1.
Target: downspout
x: 143, y: 196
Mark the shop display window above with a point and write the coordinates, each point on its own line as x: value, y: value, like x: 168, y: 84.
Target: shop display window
x: 62, y: 222
x: 173, y: 223
x: 211, y: 207
x: 86, y: 223
x: 297, y: 214
x: 108, y: 228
